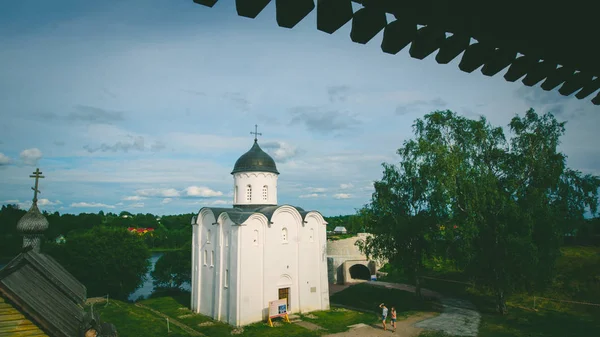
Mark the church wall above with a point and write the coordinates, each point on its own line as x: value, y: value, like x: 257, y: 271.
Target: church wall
x: 323, y: 266
x: 207, y: 255
x: 234, y: 274
x: 253, y: 261
x: 281, y: 258
x: 257, y: 180
x: 309, y: 260
x: 224, y: 272
x: 195, y: 268
x: 252, y: 271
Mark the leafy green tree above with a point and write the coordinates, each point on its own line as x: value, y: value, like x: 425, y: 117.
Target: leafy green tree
x: 402, y: 226
x: 106, y: 260
x: 173, y: 269
x: 497, y: 205
x: 10, y: 240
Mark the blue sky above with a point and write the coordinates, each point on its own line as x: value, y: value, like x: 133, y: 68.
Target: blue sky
x: 145, y: 105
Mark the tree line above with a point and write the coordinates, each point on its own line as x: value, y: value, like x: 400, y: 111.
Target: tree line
x: 499, y: 207
x: 102, y: 254
x: 170, y: 231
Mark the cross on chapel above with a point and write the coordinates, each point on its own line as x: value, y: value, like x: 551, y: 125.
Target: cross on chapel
x: 37, y: 175
x: 255, y: 133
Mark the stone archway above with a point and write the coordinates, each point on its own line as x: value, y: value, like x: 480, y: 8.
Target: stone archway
x: 359, y: 272
x: 342, y: 255
x: 361, y: 268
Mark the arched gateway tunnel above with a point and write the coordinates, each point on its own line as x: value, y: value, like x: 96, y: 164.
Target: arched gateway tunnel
x: 345, y: 262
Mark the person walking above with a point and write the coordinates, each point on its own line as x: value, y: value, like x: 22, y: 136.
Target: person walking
x: 384, y: 313
x: 393, y: 318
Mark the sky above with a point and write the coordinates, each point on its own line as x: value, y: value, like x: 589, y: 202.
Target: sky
x: 145, y: 105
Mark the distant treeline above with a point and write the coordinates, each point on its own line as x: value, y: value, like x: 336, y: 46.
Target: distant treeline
x: 170, y: 231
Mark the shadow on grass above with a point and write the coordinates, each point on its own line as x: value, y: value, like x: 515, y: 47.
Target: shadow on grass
x: 368, y: 297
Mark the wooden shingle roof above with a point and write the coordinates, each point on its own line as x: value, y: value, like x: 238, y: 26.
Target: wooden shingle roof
x: 40, y: 287
x: 538, y: 41
x: 13, y: 323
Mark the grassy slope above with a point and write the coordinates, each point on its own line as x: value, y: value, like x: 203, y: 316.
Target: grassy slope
x: 578, y: 279
x: 133, y: 321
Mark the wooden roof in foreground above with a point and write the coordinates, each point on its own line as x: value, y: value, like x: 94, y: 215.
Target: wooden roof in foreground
x: 40, y: 287
x: 552, y: 43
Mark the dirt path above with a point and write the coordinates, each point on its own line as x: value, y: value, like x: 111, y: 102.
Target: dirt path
x: 186, y: 328
x: 458, y: 317
x: 404, y: 328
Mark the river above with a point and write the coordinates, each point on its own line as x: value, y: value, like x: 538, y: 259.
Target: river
x: 148, y: 288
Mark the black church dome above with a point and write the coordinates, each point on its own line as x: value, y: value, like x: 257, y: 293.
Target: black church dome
x: 255, y: 160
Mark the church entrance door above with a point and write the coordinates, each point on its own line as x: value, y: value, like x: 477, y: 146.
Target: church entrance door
x: 285, y: 293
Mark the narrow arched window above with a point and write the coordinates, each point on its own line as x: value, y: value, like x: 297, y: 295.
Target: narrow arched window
x: 226, y: 278
x: 249, y: 193
x: 265, y: 192
x: 205, y: 254
x: 284, y: 235
x: 235, y: 194
x: 212, y: 258
x: 208, y: 237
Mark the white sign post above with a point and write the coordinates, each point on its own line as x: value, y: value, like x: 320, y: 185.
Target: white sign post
x: 278, y: 309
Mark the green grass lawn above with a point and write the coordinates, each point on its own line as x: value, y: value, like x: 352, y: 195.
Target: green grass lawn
x: 134, y: 321
x: 338, y: 319
x: 577, y: 279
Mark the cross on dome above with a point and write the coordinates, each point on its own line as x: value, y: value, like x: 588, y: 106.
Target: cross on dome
x: 37, y: 175
x: 255, y: 133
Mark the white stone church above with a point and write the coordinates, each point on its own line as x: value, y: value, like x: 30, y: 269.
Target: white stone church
x: 256, y: 252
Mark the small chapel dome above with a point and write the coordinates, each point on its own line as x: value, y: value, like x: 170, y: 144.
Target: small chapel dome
x: 33, y: 221
x: 255, y: 160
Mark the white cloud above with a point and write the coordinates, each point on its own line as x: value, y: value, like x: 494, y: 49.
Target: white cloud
x: 166, y: 201
x: 220, y: 202
x: 137, y: 205
x: 346, y: 186
x: 31, y: 156
x: 158, y: 192
x: 41, y: 203
x: 46, y: 202
x: 281, y: 151
x: 342, y: 196
x: 133, y: 198
x: 90, y: 205
x: 312, y: 195
x: 316, y: 189
x: 201, y: 191
x: 4, y: 160
x: 12, y: 201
